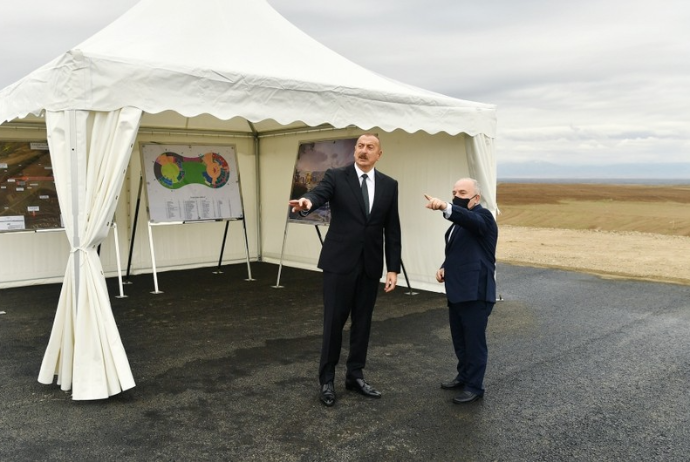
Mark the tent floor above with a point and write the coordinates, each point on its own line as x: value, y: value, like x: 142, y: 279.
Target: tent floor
x: 226, y: 370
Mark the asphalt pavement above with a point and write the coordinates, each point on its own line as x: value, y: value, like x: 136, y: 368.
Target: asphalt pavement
x: 580, y: 369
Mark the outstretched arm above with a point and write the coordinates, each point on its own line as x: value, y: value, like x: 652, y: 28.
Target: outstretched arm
x: 300, y: 204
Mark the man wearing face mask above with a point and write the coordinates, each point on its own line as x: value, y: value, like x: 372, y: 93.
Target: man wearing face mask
x: 469, y: 275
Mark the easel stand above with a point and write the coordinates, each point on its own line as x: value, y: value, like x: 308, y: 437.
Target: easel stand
x: 153, y: 261
x: 246, y: 249
x: 222, y: 248
x: 409, y: 287
x: 150, y: 225
x: 282, y: 250
x: 227, y: 222
x: 134, y: 231
x: 280, y: 266
x: 318, y: 232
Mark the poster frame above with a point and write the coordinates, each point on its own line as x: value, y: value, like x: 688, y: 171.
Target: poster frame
x: 303, y: 179
x: 232, y: 195
x: 44, y: 185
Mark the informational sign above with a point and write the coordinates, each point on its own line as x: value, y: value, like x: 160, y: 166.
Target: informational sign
x: 313, y: 159
x: 28, y: 198
x: 191, y: 183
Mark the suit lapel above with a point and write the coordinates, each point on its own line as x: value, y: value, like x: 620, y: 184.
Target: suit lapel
x: 451, y: 234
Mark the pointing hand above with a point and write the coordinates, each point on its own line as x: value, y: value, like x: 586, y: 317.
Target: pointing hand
x: 435, y: 203
x: 300, y: 204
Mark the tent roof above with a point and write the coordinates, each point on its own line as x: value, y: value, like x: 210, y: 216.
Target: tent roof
x: 229, y: 59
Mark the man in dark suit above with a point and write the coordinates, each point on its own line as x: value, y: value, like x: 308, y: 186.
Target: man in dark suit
x: 469, y: 272
x: 364, y: 224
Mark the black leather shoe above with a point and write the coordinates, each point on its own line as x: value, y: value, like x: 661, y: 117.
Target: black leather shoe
x: 466, y: 397
x: 360, y: 386
x: 327, y: 394
x: 455, y: 383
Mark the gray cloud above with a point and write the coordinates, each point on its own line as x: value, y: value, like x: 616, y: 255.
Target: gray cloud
x: 587, y: 81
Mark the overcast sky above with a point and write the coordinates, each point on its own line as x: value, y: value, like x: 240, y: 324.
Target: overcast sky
x: 575, y: 82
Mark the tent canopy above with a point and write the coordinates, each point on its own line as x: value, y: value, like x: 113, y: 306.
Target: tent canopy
x: 231, y: 58
x: 240, y: 62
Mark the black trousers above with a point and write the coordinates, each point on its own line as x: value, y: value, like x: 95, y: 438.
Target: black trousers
x: 346, y: 295
x: 468, y: 322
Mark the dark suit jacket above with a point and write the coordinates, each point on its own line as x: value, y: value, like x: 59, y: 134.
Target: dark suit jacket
x: 351, y: 235
x: 470, y: 265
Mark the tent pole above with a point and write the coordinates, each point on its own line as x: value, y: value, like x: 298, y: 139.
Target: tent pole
x: 134, y: 230
x: 257, y: 153
x: 76, y: 242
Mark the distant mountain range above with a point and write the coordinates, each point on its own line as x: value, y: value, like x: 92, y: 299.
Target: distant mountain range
x: 537, y: 170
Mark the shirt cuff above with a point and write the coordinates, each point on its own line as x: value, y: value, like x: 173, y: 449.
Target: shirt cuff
x: 448, y: 210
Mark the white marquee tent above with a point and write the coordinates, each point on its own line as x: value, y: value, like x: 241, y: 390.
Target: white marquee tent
x: 212, y: 71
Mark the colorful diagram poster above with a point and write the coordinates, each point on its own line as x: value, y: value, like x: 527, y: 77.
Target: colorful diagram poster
x: 313, y: 159
x: 28, y: 198
x: 191, y: 183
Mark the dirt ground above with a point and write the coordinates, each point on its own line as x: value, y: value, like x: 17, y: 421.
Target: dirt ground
x: 612, y: 236
x: 629, y: 255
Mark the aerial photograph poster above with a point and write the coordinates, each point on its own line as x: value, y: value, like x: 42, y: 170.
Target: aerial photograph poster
x: 313, y: 159
x: 28, y: 197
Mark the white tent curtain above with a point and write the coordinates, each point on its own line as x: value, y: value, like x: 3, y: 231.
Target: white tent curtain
x: 90, y: 152
x: 482, y: 166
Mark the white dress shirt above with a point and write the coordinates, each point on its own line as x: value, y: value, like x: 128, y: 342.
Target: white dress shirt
x: 371, y: 185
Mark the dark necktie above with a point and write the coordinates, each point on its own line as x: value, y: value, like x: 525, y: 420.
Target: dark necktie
x: 365, y: 193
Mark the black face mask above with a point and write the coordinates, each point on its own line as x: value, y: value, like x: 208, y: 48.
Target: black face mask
x: 460, y: 202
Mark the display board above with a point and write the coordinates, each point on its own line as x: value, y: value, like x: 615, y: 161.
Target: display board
x: 313, y: 159
x: 28, y: 198
x: 191, y: 183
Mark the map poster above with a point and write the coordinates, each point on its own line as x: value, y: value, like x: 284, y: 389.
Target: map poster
x: 28, y: 198
x: 313, y: 159
x: 191, y: 183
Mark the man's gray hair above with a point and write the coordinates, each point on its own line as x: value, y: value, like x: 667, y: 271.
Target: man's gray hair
x: 475, y: 183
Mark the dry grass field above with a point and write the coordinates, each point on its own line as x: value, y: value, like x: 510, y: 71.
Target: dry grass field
x: 629, y: 231
x: 646, y: 209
